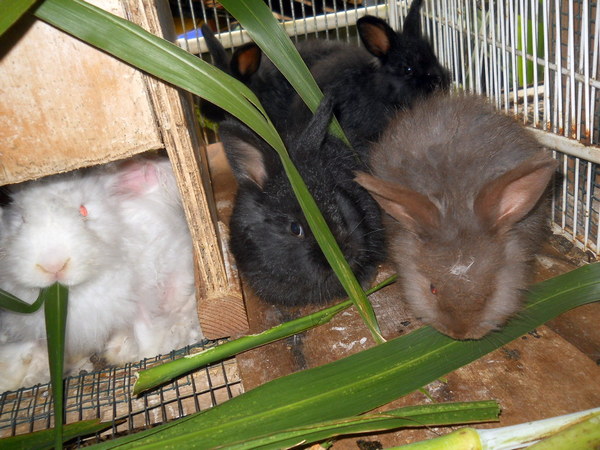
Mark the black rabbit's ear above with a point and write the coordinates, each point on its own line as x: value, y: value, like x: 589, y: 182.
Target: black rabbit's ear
x: 313, y: 135
x: 251, y: 158
x: 246, y: 61
x: 412, y: 23
x: 376, y: 35
x: 216, y: 49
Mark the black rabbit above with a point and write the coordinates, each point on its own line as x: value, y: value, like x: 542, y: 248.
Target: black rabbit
x: 367, y: 84
x: 273, y: 246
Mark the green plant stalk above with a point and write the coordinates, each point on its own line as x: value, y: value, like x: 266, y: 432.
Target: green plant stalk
x: 363, y: 381
x: 12, y: 11
x: 579, y: 430
x: 583, y: 435
x: 155, y: 376
x: 170, y: 63
x: 55, y: 309
x: 44, y: 439
x: 160, y: 58
x: 258, y: 20
x: 408, y: 417
x: 463, y: 439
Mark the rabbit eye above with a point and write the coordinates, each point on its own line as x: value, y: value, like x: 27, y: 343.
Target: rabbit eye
x: 433, y: 289
x: 83, y: 211
x: 296, y: 229
x: 408, y: 70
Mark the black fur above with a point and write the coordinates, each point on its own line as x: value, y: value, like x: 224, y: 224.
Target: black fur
x: 368, y: 84
x: 273, y: 246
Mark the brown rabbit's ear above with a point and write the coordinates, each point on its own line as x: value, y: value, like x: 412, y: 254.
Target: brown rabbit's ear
x: 413, y: 210
x: 511, y: 196
x: 246, y: 61
x: 376, y: 35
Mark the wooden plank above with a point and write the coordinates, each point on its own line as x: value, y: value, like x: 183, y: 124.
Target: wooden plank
x: 220, y: 302
x: 66, y: 105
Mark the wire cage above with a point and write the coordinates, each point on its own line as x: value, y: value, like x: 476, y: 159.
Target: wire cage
x: 108, y: 394
x: 534, y: 59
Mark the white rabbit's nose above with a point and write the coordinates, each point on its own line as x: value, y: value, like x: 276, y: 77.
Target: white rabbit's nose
x: 56, y: 270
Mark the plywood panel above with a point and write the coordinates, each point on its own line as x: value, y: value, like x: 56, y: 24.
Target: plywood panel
x: 67, y: 105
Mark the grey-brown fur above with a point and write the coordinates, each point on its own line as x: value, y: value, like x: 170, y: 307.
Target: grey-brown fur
x: 464, y: 187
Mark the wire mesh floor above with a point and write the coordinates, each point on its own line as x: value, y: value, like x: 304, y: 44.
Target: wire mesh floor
x: 107, y: 394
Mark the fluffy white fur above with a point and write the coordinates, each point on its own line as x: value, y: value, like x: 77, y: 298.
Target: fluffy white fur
x: 126, y: 258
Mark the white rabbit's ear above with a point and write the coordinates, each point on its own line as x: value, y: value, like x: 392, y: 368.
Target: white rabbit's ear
x: 136, y: 177
x: 511, y: 196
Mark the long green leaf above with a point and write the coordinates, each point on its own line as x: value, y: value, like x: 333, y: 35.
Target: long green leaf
x: 150, y: 378
x: 408, y: 417
x: 12, y: 303
x: 170, y: 63
x: 258, y: 20
x: 44, y: 439
x: 55, y: 308
x: 365, y: 380
x: 12, y: 11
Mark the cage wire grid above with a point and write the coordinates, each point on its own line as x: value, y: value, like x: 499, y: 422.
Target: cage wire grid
x: 534, y: 59
x: 108, y: 394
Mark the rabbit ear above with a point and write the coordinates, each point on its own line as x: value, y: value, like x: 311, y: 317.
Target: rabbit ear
x: 376, y: 35
x: 511, y: 196
x: 412, y: 209
x: 216, y: 49
x: 246, y: 61
x: 312, y: 137
x: 136, y: 177
x: 251, y: 158
x: 412, y: 22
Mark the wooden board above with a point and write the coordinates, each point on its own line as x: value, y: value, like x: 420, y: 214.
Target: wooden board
x: 67, y: 105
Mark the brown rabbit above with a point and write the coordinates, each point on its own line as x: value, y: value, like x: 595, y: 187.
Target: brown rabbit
x: 464, y: 189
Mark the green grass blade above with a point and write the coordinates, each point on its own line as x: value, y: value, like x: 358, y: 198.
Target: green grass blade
x: 258, y: 20
x: 44, y: 439
x: 12, y: 11
x: 12, y: 303
x: 170, y: 63
x: 363, y: 381
x: 56, y: 299
x: 155, y: 376
x: 409, y: 417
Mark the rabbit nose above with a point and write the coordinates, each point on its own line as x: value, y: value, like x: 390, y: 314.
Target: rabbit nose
x: 56, y: 270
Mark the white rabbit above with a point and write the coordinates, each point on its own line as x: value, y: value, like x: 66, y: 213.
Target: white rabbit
x: 64, y: 229
x: 161, y: 244
x: 117, y: 237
